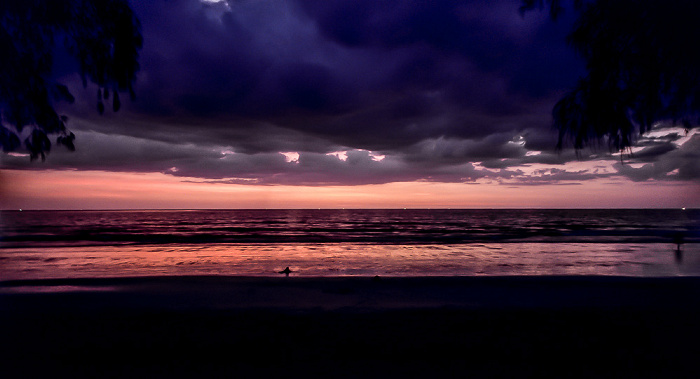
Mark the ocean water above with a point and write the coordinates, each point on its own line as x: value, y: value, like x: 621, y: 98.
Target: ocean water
x: 75, y: 244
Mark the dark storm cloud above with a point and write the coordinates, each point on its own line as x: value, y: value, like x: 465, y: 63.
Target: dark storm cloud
x: 487, y: 34
x: 275, y: 62
x: 653, y: 152
x: 117, y: 153
x: 555, y: 175
x: 678, y: 164
x: 434, y: 86
x: 220, y: 165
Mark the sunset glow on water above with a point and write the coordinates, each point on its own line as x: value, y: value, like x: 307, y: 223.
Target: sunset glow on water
x: 75, y: 244
x: 314, y: 260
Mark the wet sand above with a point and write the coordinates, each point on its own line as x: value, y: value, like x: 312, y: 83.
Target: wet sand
x: 351, y: 327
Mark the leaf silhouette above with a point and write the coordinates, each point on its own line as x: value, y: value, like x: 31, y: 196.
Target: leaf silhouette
x: 643, y: 69
x: 103, y: 36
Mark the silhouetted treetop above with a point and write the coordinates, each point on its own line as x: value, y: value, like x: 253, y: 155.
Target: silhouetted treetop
x: 104, y: 38
x: 643, y: 68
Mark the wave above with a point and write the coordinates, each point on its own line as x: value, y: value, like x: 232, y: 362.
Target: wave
x: 80, y: 228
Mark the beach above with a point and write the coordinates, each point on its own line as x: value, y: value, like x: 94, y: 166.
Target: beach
x: 371, y: 293
x: 352, y: 326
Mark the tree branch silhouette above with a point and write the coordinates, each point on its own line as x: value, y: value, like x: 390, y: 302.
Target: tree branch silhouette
x: 643, y: 69
x: 104, y: 37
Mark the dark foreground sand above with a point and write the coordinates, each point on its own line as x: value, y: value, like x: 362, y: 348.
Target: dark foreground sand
x: 351, y: 327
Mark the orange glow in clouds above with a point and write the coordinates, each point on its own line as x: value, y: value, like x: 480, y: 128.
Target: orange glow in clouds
x: 53, y: 189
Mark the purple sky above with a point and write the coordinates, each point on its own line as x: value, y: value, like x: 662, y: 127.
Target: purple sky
x: 320, y: 93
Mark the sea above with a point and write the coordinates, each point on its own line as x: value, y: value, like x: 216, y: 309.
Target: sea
x: 339, y: 242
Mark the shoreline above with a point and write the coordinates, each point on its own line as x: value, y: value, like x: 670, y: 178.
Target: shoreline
x: 523, y: 259
x: 349, y: 294
x: 359, y: 292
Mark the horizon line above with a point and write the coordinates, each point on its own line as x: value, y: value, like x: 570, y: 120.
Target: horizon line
x: 338, y: 209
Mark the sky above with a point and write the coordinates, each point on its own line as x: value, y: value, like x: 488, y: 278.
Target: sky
x: 346, y: 104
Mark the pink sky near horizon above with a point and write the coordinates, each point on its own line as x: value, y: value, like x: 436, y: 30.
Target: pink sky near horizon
x: 72, y: 189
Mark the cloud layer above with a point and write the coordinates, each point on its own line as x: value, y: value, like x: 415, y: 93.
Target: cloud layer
x: 441, y: 90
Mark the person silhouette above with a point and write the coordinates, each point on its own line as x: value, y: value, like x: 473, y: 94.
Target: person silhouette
x: 286, y: 271
x: 678, y: 240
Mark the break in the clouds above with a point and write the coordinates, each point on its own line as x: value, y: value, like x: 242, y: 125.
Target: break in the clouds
x: 354, y: 91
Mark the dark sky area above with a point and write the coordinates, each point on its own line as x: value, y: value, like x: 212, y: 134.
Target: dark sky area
x: 397, y: 91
